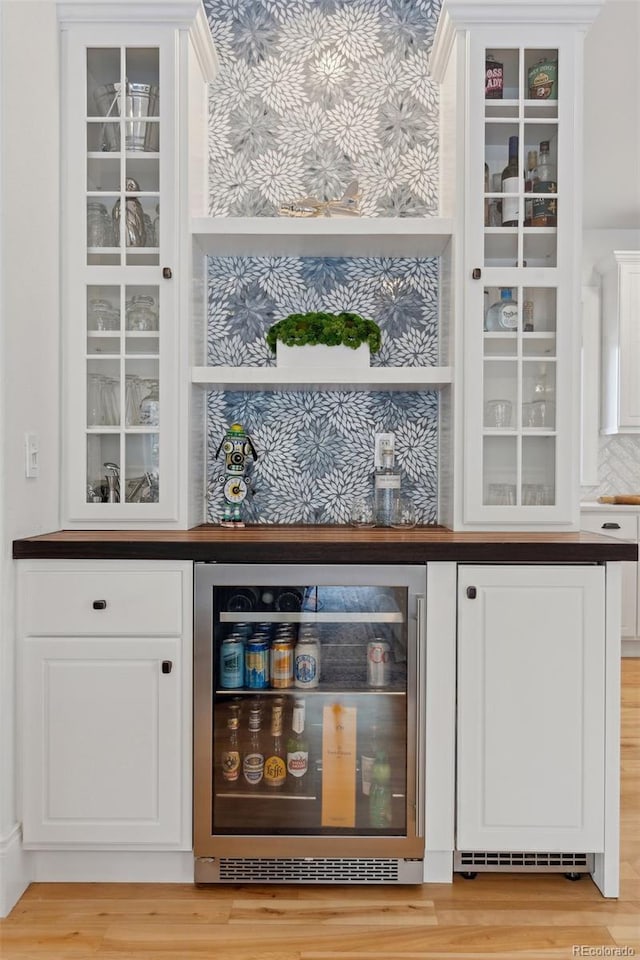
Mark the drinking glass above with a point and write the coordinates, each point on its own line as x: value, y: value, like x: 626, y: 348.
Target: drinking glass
x: 403, y: 516
x: 362, y: 512
x: 502, y: 494
x: 497, y: 413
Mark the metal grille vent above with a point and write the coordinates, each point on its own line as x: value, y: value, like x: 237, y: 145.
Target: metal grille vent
x: 485, y: 860
x: 303, y: 870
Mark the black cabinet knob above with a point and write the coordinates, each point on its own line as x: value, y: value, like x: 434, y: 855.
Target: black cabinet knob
x: 167, y: 666
x: 99, y: 604
x: 476, y: 273
x: 167, y: 273
x: 472, y: 593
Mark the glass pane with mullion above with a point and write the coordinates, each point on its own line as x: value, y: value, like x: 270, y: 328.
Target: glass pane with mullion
x: 142, y: 476
x: 499, y: 471
x: 103, y: 81
x: 538, y: 471
x: 103, y: 462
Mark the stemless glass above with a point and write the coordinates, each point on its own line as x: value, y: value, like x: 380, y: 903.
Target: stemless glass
x: 362, y: 512
x: 403, y: 516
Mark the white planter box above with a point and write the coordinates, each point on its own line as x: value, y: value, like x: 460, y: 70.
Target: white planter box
x: 316, y: 359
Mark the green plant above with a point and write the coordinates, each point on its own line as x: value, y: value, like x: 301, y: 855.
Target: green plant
x: 330, y: 329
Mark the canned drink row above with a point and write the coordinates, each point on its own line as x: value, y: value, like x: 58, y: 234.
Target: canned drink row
x: 259, y: 663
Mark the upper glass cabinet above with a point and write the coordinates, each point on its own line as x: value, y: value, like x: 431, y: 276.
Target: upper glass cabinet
x: 520, y: 157
x: 123, y: 158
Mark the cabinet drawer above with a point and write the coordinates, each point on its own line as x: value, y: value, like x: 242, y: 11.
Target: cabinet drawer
x: 102, y: 603
x: 626, y: 529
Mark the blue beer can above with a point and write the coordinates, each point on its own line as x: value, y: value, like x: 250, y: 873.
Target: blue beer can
x: 232, y: 663
x: 256, y: 664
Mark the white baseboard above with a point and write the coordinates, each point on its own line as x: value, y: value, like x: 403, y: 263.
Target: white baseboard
x: 438, y: 866
x: 101, y: 866
x: 14, y: 870
x: 631, y: 647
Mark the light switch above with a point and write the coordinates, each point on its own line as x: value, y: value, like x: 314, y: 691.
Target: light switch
x: 31, y: 455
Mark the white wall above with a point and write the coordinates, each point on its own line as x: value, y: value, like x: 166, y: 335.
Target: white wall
x: 29, y: 339
x: 612, y: 118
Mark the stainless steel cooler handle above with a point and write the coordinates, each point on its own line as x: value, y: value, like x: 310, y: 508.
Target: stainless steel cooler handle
x: 420, y: 714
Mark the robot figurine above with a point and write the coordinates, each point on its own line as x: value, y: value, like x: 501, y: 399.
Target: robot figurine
x: 237, y: 447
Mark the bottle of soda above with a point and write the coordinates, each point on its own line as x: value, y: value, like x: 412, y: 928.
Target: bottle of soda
x: 275, y: 764
x: 380, y: 813
x: 298, y: 747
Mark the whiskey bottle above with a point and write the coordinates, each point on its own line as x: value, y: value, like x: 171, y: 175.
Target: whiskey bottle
x: 511, y: 184
x: 298, y: 747
x: 275, y: 763
x: 529, y: 185
x: 544, y: 211
x: 230, y: 753
x: 253, y: 754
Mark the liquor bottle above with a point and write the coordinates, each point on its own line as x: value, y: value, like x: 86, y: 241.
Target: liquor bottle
x: 230, y: 753
x: 487, y: 187
x: 241, y: 599
x: 529, y: 184
x: 511, y: 184
x: 367, y: 759
x: 298, y: 747
x: 387, y: 489
x: 544, y: 212
x: 275, y: 764
x: 380, y: 813
x: 253, y: 754
x: 503, y: 314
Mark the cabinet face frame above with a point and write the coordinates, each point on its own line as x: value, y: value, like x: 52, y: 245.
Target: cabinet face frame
x: 557, y: 446
x: 79, y: 277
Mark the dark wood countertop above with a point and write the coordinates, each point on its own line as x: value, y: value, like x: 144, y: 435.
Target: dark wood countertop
x: 324, y: 544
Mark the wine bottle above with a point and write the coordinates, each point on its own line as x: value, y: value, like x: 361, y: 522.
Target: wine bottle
x: 511, y: 184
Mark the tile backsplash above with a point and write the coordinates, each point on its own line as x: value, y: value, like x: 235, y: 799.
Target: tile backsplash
x: 618, y: 467
x: 312, y: 95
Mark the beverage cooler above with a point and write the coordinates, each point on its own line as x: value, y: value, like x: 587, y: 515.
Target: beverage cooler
x: 309, y: 723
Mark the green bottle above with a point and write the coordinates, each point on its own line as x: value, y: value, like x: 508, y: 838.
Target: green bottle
x: 380, y: 793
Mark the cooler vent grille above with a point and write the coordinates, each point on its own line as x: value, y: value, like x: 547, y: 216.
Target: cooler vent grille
x: 490, y: 860
x: 303, y: 870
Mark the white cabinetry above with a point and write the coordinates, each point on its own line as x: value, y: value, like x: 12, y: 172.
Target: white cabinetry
x: 106, y: 703
x: 133, y: 107
x: 517, y: 405
x: 621, y: 526
x: 621, y: 342
x: 531, y: 708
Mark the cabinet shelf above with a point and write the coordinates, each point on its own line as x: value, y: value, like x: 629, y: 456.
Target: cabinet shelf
x: 322, y: 236
x: 323, y: 690
x: 274, y: 378
x: 368, y: 616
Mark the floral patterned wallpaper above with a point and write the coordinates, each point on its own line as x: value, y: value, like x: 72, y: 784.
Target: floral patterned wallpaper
x: 311, y: 95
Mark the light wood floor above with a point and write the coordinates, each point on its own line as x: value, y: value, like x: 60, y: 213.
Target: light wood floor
x: 508, y: 916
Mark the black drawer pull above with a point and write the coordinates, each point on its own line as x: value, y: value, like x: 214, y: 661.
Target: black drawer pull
x: 99, y: 604
x: 472, y: 593
x: 611, y: 526
x: 166, y: 666
x: 476, y: 273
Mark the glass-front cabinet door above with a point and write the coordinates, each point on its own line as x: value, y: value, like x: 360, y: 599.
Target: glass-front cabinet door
x: 121, y: 352
x: 521, y: 320
x: 307, y: 714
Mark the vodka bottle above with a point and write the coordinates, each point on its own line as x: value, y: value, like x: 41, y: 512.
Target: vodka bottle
x: 503, y: 314
x: 387, y: 489
x: 511, y: 184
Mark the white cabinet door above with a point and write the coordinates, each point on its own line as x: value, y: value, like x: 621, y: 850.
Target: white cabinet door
x: 102, y: 729
x: 622, y: 527
x: 530, y: 708
x: 621, y: 342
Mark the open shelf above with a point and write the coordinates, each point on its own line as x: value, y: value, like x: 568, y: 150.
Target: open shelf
x: 322, y: 236
x: 274, y: 378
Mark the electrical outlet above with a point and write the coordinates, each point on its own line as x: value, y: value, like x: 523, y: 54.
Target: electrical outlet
x: 382, y: 440
x: 31, y: 455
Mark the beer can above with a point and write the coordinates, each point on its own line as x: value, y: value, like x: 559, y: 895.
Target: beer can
x: 378, y: 663
x: 256, y: 664
x: 306, y: 663
x: 232, y: 663
x: 282, y: 663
